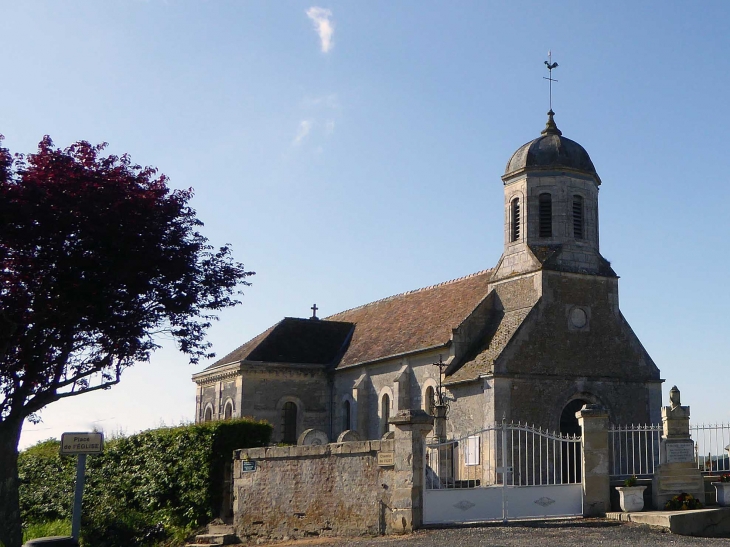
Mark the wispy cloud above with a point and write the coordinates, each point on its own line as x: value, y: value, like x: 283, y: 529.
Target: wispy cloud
x: 323, y: 25
x: 305, y: 126
x: 325, y: 101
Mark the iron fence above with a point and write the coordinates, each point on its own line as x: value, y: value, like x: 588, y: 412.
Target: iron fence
x: 711, y: 442
x: 634, y: 449
x: 504, y: 454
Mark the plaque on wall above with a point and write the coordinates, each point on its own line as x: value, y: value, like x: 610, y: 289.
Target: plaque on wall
x: 680, y: 452
x: 248, y: 466
x: 386, y: 459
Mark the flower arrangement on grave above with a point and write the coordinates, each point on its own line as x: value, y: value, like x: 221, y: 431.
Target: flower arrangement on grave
x: 683, y: 502
x: 725, y: 477
x: 631, y: 481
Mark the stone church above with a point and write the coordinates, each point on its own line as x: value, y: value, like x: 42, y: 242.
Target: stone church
x: 530, y: 340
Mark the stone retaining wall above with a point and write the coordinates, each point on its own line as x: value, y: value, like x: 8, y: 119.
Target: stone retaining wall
x: 335, y: 489
x: 340, y: 489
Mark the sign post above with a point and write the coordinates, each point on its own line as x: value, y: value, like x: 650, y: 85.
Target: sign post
x: 80, y: 444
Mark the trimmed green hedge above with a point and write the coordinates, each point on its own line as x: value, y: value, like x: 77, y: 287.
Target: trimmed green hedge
x: 142, y: 487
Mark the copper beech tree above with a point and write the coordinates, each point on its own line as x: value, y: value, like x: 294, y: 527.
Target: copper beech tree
x: 98, y: 257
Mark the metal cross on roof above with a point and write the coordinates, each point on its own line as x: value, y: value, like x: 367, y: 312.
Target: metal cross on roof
x: 550, y: 66
x: 314, y: 311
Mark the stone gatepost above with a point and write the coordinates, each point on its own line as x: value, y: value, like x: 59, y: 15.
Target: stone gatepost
x: 411, y: 428
x: 677, y: 471
x: 593, y: 420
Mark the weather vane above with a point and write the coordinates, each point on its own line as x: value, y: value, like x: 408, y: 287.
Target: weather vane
x: 550, y: 66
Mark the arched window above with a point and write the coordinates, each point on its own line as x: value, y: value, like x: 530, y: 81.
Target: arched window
x: 208, y: 414
x: 430, y: 402
x: 228, y: 413
x: 515, y: 220
x: 346, y: 415
x: 384, y: 414
x: 545, y: 210
x: 578, y: 217
x: 289, y: 423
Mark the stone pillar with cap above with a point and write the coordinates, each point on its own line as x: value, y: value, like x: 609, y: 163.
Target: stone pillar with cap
x: 411, y: 429
x: 445, y: 452
x: 593, y: 420
x: 677, y: 471
x: 439, y: 420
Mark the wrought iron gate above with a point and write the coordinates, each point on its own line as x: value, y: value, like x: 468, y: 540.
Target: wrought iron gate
x: 506, y: 471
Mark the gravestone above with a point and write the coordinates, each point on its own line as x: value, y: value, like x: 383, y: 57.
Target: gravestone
x: 312, y: 437
x: 677, y: 472
x: 348, y: 435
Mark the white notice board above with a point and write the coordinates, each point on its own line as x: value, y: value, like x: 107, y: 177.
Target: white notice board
x: 82, y: 443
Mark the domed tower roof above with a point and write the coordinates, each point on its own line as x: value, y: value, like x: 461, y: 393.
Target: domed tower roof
x: 551, y: 151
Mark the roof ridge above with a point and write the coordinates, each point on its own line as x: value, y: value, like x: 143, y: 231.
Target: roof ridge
x: 422, y: 289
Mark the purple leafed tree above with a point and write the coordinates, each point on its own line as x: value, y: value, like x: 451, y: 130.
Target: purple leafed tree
x: 98, y: 258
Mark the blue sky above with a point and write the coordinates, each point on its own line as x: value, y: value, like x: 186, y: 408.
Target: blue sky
x: 351, y: 151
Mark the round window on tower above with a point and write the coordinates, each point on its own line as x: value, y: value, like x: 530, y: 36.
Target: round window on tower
x: 578, y: 318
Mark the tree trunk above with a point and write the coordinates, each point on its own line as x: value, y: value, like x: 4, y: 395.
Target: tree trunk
x: 10, y: 526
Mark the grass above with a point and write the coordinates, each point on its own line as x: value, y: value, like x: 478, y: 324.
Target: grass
x: 178, y: 535
x: 47, y: 529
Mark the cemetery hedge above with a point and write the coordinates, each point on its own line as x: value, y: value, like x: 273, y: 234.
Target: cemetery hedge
x: 144, y: 488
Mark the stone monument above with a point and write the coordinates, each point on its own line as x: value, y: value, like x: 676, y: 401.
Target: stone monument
x: 348, y: 435
x: 439, y: 421
x: 312, y: 437
x: 677, y: 471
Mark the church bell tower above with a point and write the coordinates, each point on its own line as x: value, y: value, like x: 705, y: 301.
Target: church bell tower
x: 551, y: 207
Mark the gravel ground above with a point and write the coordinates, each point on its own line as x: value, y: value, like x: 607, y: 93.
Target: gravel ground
x: 532, y: 534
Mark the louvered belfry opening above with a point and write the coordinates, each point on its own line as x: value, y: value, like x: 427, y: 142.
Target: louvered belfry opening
x: 578, y: 217
x: 546, y: 215
x: 515, y: 235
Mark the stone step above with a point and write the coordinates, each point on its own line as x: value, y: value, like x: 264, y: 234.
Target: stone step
x: 214, y: 539
x: 221, y: 529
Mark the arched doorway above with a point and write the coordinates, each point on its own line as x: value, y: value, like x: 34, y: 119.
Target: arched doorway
x: 568, y: 422
x: 571, y: 458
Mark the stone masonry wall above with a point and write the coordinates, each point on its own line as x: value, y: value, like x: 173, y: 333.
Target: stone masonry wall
x: 382, y: 377
x: 549, y: 344
x: 299, y: 491
x: 551, y: 360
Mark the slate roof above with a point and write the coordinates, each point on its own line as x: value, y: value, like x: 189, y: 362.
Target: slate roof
x: 551, y: 151
x: 500, y: 332
x: 292, y: 340
x: 413, y: 320
x: 548, y: 256
x: 398, y: 324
